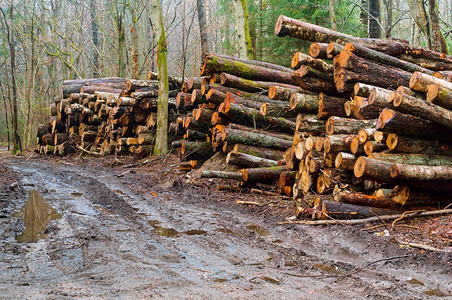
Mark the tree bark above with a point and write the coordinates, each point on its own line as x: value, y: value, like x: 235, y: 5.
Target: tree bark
x: 202, y: 21
x: 161, y: 139
x: 398, y: 143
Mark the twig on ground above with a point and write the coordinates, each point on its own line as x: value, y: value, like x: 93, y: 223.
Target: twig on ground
x: 136, y: 164
x: 89, y: 152
x: 423, y: 247
x: 124, y: 173
x: 372, y: 219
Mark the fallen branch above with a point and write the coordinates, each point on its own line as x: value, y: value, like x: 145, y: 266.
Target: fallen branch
x: 89, y: 152
x: 372, y: 219
x: 423, y: 247
x: 136, y: 164
x: 124, y: 173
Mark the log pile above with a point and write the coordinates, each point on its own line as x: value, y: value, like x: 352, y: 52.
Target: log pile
x: 372, y: 133
x: 104, y: 116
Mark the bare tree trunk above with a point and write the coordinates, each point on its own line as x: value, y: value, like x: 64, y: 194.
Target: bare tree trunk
x: 161, y: 139
x: 374, y: 11
x: 6, y: 114
x: 135, y: 55
x: 332, y: 15
x: 201, y: 6
x: 438, y: 41
x: 95, y: 33
x: 419, y: 14
x: 243, y: 32
x: 11, y: 43
x: 388, y: 29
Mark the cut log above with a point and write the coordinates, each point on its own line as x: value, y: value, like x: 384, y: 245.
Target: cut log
x: 258, y: 151
x: 257, y: 63
x: 373, y: 146
x: 133, y: 84
x: 254, y: 139
x: 412, y: 197
x: 197, y: 97
x: 270, y: 174
x: 385, y: 59
x: 249, y: 161
x: 339, y: 125
x: 419, y: 82
x: 319, y: 50
x: 196, y: 150
x: 276, y: 110
x: 337, y: 143
x: 345, y: 161
x: 60, y: 138
x: 355, y: 198
x: 300, y: 59
x: 313, y: 80
x: 248, y: 85
x: 421, y: 172
x: 221, y: 174
x: 334, y: 49
x: 409, y: 125
x: 414, y: 159
x: 364, y: 90
x: 439, y: 95
x: 215, y: 64
x: 338, y: 210
x: 331, y: 106
x: 407, y: 91
x: 281, y: 93
x: 422, y: 108
x: 146, y: 138
x: 304, y: 102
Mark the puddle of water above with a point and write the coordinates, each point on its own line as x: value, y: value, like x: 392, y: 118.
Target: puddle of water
x: 436, y: 292
x: 270, y: 280
x: 326, y: 268
x: 75, y: 194
x: 162, y: 231
x: 220, y: 280
x: 195, y: 232
x: 415, y: 281
x: 228, y: 231
x: 259, y: 230
x: 36, y: 215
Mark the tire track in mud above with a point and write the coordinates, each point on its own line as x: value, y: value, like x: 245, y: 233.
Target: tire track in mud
x: 115, y: 242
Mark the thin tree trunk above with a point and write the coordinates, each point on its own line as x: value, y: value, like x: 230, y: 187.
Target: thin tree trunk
x: 95, y: 33
x: 438, y: 41
x: 245, y: 48
x: 419, y: 14
x: 201, y: 7
x: 6, y: 114
x: 135, y: 55
x: 332, y: 15
x: 161, y: 140
x: 374, y: 11
x: 389, y: 5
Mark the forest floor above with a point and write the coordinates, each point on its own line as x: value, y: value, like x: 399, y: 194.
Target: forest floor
x: 157, y: 233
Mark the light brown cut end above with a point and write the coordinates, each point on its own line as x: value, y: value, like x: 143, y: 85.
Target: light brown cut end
x: 400, y: 194
x: 385, y: 115
x: 223, y: 78
x: 221, y: 108
x: 244, y: 174
x: 272, y: 91
x: 432, y: 92
x: 414, y: 81
x: 348, y: 107
x: 215, y: 118
x: 279, y: 29
x: 356, y: 89
x: 372, y: 97
x: 394, y: 171
x: 362, y: 136
x: 309, y: 143
x: 330, y: 49
x: 391, y: 141
x: 293, y: 101
x: 263, y: 109
x: 379, y: 136
x: 338, y: 160
x: 299, y: 151
x: 214, y: 78
x: 319, y: 144
x: 129, y: 85
x: 194, y: 95
x: 204, y: 89
x: 321, y: 113
x: 225, y: 147
x: 228, y: 157
x: 327, y: 145
x: 360, y: 167
x: 295, y: 60
x: 368, y: 148
x: 392, y: 96
x: 329, y: 126
x: 349, y: 47
x: 354, y: 145
x: 398, y: 100
x: 314, y: 50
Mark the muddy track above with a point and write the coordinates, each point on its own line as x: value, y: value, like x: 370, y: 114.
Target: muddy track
x: 114, y: 241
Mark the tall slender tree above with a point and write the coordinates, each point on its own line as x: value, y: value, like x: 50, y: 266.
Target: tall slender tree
x: 161, y: 139
x: 202, y: 20
x: 374, y: 19
x: 245, y: 47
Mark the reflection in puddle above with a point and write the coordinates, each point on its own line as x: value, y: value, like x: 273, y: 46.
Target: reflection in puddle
x: 36, y: 215
x: 415, y: 281
x: 195, y: 232
x: 162, y: 231
x: 228, y: 231
x: 326, y: 268
x: 436, y: 292
x: 259, y: 230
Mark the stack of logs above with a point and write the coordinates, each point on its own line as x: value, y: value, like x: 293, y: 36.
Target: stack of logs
x: 104, y: 116
x: 369, y: 123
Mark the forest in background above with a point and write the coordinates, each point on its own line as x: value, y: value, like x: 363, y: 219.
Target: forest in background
x: 47, y: 41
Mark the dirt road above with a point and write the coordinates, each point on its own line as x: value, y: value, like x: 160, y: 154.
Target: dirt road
x: 165, y: 239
